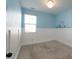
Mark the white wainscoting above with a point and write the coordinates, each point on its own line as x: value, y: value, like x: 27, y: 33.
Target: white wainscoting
x: 41, y: 35
x: 63, y: 35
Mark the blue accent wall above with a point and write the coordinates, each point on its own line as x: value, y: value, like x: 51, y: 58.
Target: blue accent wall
x: 44, y: 20
x: 64, y: 19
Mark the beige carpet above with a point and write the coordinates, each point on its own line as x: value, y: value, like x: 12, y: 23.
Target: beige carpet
x: 47, y: 50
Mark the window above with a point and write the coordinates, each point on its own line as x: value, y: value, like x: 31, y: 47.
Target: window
x: 30, y: 23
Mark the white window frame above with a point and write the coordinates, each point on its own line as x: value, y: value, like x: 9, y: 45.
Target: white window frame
x: 30, y: 23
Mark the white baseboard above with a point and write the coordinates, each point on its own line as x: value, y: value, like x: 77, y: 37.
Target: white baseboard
x: 17, y: 53
x: 35, y: 42
x: 66, y: 42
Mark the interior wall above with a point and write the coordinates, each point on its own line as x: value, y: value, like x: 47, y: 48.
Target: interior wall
x: 64, y: 19
x: 63, y: 35
x: 44, y: 20
x: 48, y: 28
x: 13, y: 23
x: 44, y: 32
x: 41, y: 35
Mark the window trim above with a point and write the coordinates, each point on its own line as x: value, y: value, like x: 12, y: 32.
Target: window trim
x: 29, y: 24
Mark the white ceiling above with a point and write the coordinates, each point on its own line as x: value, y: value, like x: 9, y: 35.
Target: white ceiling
x: 40, y: 5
